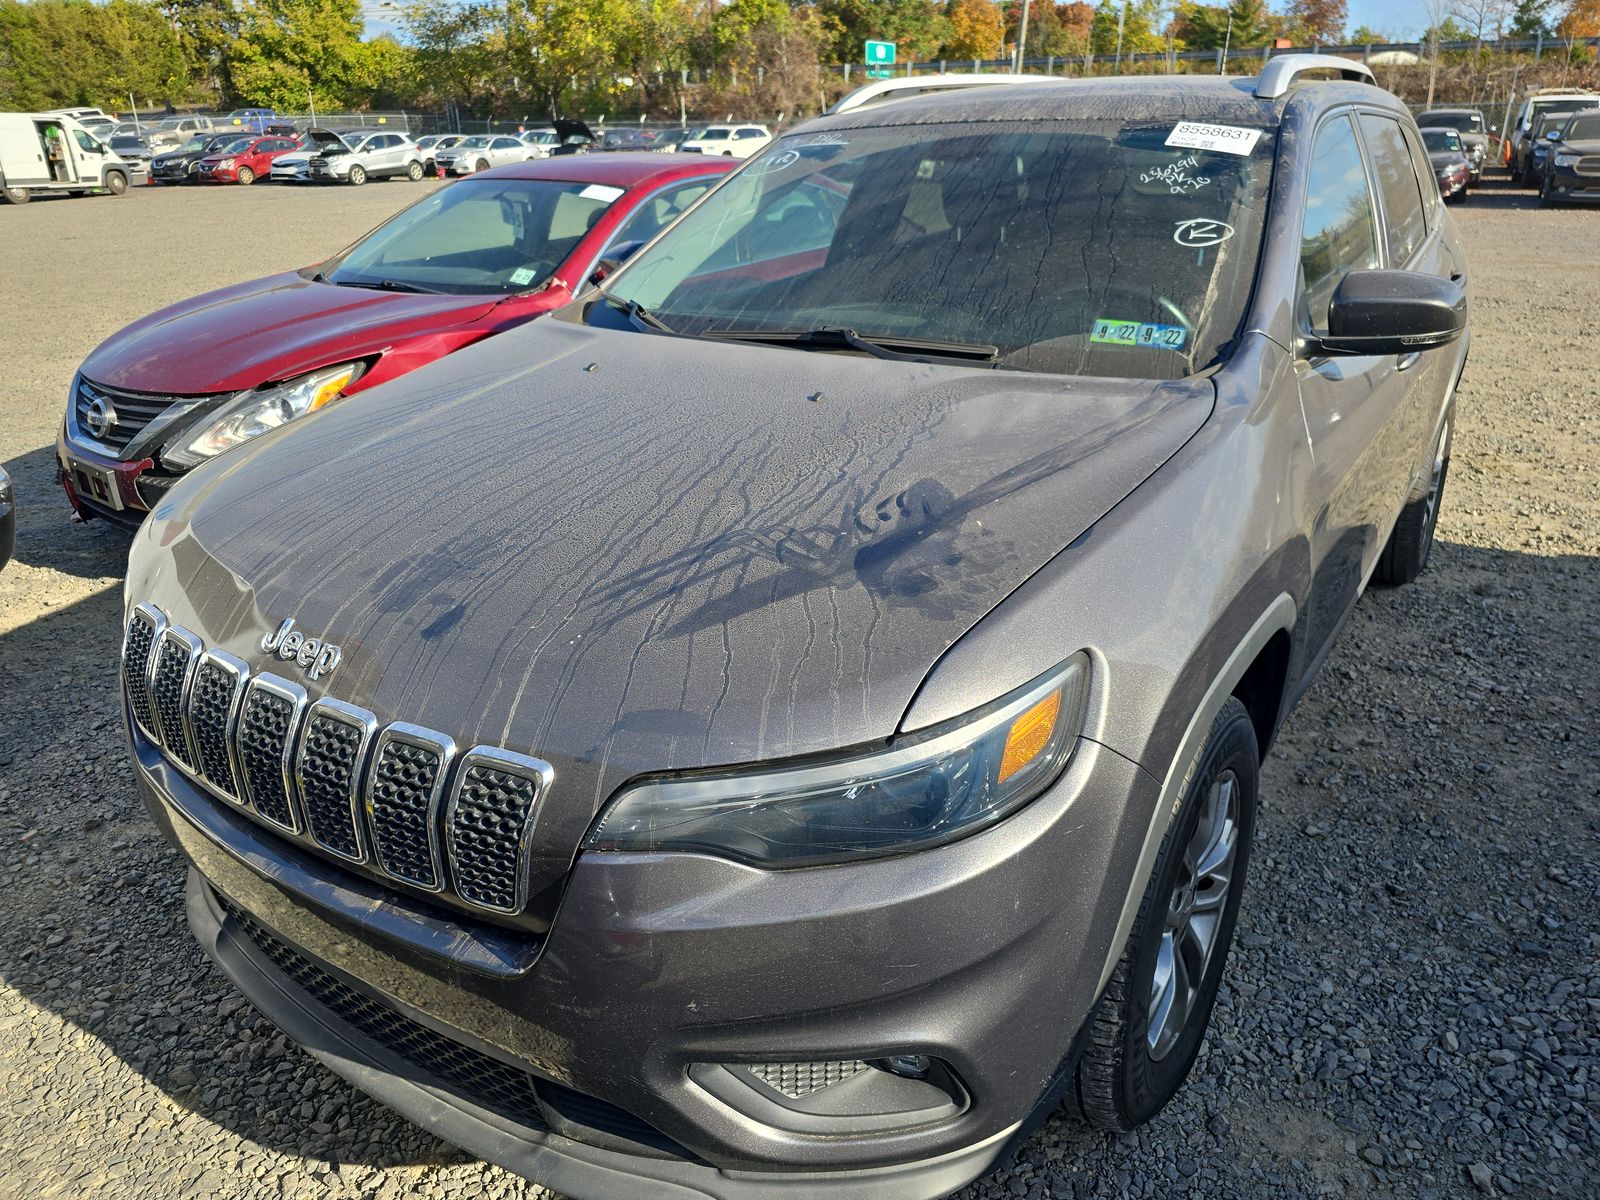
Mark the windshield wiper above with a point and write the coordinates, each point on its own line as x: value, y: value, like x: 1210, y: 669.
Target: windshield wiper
x: 390, y: 285
x: 641, y: 317
x: 890, y: 346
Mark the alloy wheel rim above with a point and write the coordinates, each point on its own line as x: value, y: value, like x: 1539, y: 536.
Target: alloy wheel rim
x: 1192, y: 921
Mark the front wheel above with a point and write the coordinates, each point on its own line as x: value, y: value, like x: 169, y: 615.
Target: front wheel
x: 1406, y: 554
x: 1546, y: 197
x: 1146, y: 1031
x: 246, y: 176
x: 116, y: 182
x: 414, y: 172
x: 358, y: 176
x: 481, y: 165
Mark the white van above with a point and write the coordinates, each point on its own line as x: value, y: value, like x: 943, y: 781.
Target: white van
x: 44, y: 152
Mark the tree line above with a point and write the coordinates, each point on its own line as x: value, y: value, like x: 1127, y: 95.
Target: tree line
x: 546, y: 57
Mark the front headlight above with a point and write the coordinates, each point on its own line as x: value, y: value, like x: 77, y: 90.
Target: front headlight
x: 224, y: 163
x: 255, y: 412
x: 1567, y: 160
x: 920, y: 792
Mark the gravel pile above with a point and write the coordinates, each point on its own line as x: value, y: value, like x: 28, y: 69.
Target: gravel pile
x: 1413, y: 1005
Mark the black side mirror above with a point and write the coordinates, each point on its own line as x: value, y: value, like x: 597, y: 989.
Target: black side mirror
x: 607, y: 266
x: 1394, y: 312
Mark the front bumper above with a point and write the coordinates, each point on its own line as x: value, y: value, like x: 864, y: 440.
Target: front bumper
x: 1566, y: 186
x: 984, y: 955
x: 97, y: 486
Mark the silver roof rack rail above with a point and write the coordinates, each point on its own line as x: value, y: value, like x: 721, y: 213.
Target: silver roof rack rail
x: 897, y: 89
x: 1280, y: 72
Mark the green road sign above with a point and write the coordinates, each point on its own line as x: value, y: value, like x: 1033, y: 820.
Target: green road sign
x: 880, y: 57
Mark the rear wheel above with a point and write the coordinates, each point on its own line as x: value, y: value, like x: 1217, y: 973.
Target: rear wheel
x: 1404, y: 558
x: 15, y: 195
x: 246, y: 176
x: 1147, y: 1029
x: 414, y: 171
x: 116, y: 182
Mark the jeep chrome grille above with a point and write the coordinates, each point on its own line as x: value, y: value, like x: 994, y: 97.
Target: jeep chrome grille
x: 396, y: 799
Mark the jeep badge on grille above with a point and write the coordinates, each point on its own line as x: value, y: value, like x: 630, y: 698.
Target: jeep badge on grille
x: 318, y: 658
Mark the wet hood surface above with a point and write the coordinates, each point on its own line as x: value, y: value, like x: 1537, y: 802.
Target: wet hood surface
x: 263, y: 331
x: 627, y: 552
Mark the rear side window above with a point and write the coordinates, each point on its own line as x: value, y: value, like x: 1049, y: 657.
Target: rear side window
x: 1424, y: 169
x: 1404, y: 224
x: 1340, y: 232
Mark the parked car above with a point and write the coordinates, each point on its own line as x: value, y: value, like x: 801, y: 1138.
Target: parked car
x: 295, y: 167
x: 613, y: 140
x: 182, y: 165
x: 733, y: 141
x: 1469, y: 124
x: 252, y: 120
x: 175, y: 131
x: 43, y: 152
x: 575, y: 138
x: 667, y: 141
x: 1542, y: 101
x: 8, y: 519
x: 1572, y: 175
x: 467, y: 261
x: 1448, y: 156
x: 130, y: 148
x: 244, y: 160
x: 431, y: 146
x: 354, y: 160
x: 480, y: 152
x: 540, y: 141
x: 781, y: 724
x: 1546, y: 130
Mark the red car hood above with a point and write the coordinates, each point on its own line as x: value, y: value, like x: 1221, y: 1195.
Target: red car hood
x: 265, y: 330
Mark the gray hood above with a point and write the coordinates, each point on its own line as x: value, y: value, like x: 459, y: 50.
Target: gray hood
x: 626, y: 552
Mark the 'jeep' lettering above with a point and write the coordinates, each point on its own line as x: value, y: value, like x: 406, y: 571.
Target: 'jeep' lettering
x: 316, y: 657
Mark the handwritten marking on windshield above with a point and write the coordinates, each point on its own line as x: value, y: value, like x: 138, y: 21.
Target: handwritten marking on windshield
x: 1200, y: 231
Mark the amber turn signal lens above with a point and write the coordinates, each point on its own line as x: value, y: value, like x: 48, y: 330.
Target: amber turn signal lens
x: 1030, y: 733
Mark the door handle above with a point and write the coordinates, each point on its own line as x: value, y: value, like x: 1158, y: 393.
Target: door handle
x: 1406, y: 361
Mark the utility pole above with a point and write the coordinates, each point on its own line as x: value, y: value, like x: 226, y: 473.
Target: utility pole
x: 1122, y: 20
x: 1227, y: 40
x: 1022, y: 41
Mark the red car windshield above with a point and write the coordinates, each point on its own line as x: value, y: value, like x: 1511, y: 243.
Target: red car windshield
x: 493, y: 236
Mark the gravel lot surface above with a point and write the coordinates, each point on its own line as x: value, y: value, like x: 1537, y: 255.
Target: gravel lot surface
x: 1413, y: 1006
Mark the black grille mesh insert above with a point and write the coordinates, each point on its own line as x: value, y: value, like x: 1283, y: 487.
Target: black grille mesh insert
x: 485, y: 1081
x: 263, y: 731
x: 795, y: 1080
x: 141, y: 633
x: 328, y: 767
x: 172, y: 664
x: 400, y: 796
x: 210, y: 698
x: 487, y: 821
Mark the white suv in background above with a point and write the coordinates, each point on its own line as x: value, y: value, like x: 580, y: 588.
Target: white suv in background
x: 482, y: 151
x: 732, y: 141
x: 356, y: 158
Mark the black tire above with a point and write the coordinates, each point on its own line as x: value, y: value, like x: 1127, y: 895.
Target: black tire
x: 1406, y: 554
x: 358, y: 175
x: 1546, y: 197
x: 414, y: 172
x: 1122, y: 1081
x: 15, y: 195
x: 116, y: 183
x: 482, y: 165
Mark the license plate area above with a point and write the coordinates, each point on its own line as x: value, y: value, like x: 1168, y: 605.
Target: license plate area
x: 95, y: 483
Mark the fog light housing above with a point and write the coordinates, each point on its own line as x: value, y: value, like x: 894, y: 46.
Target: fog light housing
x: 838, y: 1097
x: 907, y: 1066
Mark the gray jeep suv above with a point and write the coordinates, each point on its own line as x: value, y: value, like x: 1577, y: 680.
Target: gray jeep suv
x: 804, y: 723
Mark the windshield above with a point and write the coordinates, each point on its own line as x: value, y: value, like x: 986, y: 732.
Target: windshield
x: 1582, y: 128
x: 490, y: 236
x: 1076, y: 247
x: 238, y: 146
x: 713, y: 135
x: 1441, y: 139
x: 472, y: 143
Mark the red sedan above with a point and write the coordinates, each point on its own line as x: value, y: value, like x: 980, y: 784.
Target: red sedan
x: 245, y: 160
x: 469, y: 260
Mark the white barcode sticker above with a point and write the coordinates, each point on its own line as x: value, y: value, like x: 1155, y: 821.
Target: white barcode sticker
x: 1229, y: 139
